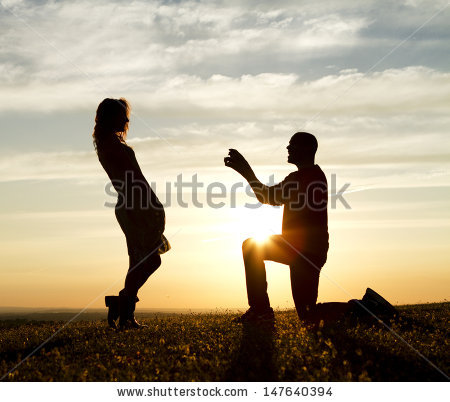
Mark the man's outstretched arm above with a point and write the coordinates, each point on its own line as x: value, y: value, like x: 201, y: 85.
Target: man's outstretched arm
x: 236, y: 161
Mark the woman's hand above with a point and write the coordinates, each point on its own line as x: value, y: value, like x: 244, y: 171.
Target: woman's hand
x: 237, y: 162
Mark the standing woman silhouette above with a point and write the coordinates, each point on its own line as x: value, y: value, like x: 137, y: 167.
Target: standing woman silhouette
x: 138, y: 210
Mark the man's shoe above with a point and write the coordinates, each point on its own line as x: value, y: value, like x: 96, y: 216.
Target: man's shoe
x: 255, y: 316
x: 379, y: 304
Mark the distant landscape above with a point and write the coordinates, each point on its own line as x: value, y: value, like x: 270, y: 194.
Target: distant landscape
x: 209, y: 347
x: 92, y: 314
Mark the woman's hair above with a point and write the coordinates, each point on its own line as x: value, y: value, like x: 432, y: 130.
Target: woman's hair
x: 105, y: 119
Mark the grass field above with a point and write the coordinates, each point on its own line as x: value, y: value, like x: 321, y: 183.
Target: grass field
x: 208, y: 347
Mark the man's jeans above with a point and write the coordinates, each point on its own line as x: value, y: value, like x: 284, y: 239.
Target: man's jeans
x: 304, y: 267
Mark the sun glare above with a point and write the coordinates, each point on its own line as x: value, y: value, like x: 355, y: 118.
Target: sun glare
x: 260, y: 237
x: 258, y: 223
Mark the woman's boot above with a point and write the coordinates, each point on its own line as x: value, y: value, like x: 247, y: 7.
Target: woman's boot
x: 127, y: 306
x: 112, y: 302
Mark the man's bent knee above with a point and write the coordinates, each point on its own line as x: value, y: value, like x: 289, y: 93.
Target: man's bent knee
x: 251, y: 245
x: 247, y: 243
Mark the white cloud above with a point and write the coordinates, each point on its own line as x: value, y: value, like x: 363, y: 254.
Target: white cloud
x: 394, y: 91
x: 438, y: 4
x: 394, y: 152
x: 192, y: 55
x: 170, y: 60
x: 54, y: 41
x: 48, y: 166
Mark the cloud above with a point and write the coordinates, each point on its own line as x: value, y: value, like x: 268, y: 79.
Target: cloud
x: 48, y: 166
x: 194, y: 56
x: 55, y: 39
x: 221, y: 75
x: 52, y: 49
x: 395, y: 151
x: 394, y: 91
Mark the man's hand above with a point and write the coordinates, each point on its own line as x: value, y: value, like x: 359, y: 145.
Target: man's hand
x: 237, y: 162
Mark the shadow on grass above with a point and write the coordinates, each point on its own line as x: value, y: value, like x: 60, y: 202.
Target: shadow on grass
x: 255, y: 358
x: 15, y: 355
x: 377, y: 361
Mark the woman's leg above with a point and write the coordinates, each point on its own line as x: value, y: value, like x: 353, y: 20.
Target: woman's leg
x: 141, y: 267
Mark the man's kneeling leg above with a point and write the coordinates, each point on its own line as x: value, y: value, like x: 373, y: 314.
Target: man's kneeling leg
x: 305, y: 273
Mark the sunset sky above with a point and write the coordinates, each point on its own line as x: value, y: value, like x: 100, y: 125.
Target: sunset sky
x: 371, y: 80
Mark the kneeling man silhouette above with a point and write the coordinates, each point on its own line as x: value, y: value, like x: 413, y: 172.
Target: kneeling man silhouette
x: 303, y: 244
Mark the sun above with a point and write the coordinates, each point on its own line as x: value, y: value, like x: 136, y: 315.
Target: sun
x: 258, y: 223
x: 260, y: 230
x: 261, y: 237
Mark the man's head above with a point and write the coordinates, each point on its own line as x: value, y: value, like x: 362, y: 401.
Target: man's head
x: 302, y: 149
